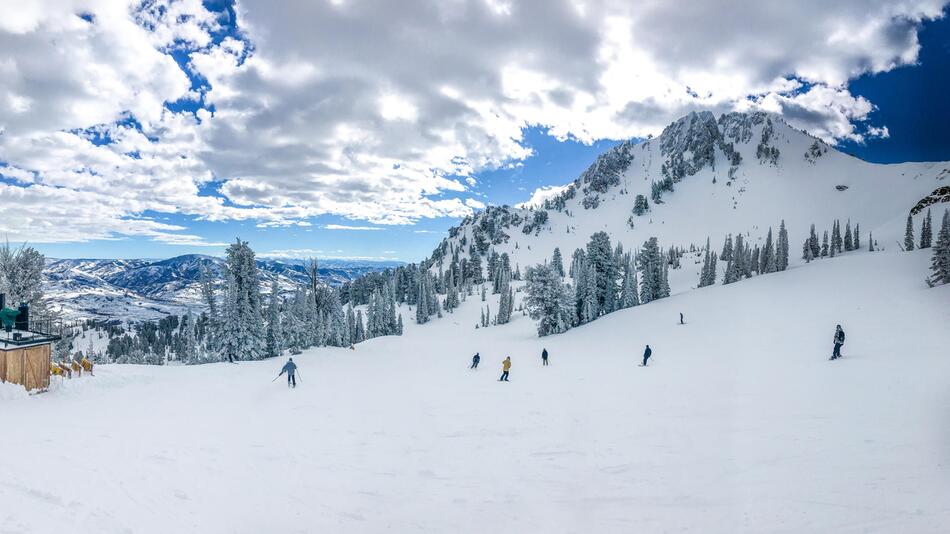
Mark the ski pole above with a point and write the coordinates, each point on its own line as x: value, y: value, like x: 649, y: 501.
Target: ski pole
x: 275, y: 378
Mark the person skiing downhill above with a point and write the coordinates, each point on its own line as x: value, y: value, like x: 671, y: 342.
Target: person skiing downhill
x: 475, y: 360
x: 291, y: 369
x: 646, y: 355
x: 505, y: 366
x: 681, y: 318
x: 544, y: 356
x: 839, y: 341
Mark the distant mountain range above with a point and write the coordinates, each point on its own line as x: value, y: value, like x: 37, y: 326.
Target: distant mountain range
x: 136, y: 289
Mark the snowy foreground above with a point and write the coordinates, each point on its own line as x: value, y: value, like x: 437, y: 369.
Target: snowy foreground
x: 739, y: 424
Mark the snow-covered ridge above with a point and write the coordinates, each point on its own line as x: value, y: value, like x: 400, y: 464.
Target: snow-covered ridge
x: 143, y: 289
x: 707, y: 177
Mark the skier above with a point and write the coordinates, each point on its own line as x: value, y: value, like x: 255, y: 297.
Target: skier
x: 839, y: 340
x: 646, y: 355
x: 290, y: 368
x: 475, y: 360
x: 505, y: 366
x: 681, y: 318
x: 544, y: 356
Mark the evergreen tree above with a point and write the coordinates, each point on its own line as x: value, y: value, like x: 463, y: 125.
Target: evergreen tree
x: 835, y: 238
x: 360, y: 334
x: 824, y: 245
x: 650, y: 264
x: 848, y: 241
x: 557, y: 263
x: 940, y: 261
x: 629, y: 290
x: 590, y: 309
x: 640, y: 205
x: 813, y: 243
x: 243, y: 329
x: 275, y: 337
x: 926, y: 231
x: 806, y: 251
x: 870, y: 242
x: 909, y: 234
x: 767, y: 263
x: 451, y: 293
x: 422, y: 304
x: 547, y: 300
x: 505, y: 301
x: 781, y: 248
x: 600, y: 259
x: 351, y: 324
x: 857, y: 236
x: 726, y: 254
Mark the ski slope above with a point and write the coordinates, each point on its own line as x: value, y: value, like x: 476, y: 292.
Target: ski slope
x: 739, y: 424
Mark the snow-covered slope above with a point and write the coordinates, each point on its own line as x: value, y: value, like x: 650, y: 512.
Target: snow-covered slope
x: 739, y: 424
x: 739, y: 174
x: 142, y: 289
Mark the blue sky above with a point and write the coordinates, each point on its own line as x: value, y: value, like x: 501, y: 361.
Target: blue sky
x: 329, y: 130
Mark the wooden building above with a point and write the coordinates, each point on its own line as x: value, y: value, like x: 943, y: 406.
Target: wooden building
x: 27, y: 365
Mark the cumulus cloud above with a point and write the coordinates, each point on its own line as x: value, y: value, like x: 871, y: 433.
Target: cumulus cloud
x: 541, y: 194
x: 372, y: 111
x: 348, y: 227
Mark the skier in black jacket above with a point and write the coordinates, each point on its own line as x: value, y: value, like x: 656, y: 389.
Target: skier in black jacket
x: 839, y: 341
x: 646, y: 355
x: 475, y: 360
x: 544, y: 356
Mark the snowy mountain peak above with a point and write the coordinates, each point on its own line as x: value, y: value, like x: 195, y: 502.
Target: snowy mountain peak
x: 704, y: 177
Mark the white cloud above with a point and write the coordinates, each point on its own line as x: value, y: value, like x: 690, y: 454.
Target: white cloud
x: 541, y: 194
x: 347, y: 227
x: 371, y: 111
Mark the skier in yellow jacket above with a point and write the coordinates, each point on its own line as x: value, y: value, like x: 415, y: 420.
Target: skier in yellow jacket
x: 505, y: 366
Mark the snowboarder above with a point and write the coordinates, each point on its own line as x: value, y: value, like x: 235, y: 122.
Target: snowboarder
x: 505, y: 366
x: 839, y: 341
x: 544, y: 356
x: 681, y: 318
x: 646, y: 355
x: 291, y: 369
x: 475, y: 360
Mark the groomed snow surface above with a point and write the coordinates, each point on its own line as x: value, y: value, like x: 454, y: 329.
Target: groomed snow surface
x: 739, y: 424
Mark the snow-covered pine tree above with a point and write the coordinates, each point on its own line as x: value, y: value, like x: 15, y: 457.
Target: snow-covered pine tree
x: 835, y: 239
x: 640, y: 205
x: 665, y: 280
x: 824, y: 245
x: 756, y: 260
x: 629, y: 290
x: 806, y: 251
x: 243, y: 330
x: 781, y: 248
x: 505, y: 300
x: 909, y: 234
x: 726, y: 254
x: 767, y: 256
x: 360, y: 335
x: 557, y: 262
x: 399, y: 325
x: 848, y: 240
x: 21, y: 277
x: 336, y: 330
x: 650, y: 261
x: 547, y: 300
x: 422, y: 303
x: 813, y: 243
x: 870, y: 242
x: 274, y: 342
x: 351, y: 323
x: 451, y: 294
x: 857, y: 236
x: 600, y: 259
x: 590, y: 309
x: 940, y: 261
x: 926, y: 231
